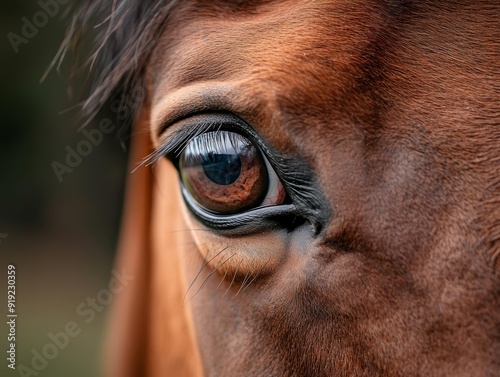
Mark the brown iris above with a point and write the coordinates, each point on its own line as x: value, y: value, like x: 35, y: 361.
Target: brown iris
x: 224, y: 172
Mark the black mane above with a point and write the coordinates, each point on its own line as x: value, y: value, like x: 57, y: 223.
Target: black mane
x: 122, y: 34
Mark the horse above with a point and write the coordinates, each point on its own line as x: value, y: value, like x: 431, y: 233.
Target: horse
x: 316, y: 185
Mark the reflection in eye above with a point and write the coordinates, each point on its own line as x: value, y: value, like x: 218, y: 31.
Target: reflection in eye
x: 225, y: 173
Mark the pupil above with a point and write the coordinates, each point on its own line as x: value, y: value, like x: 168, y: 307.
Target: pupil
x: 223, y: 169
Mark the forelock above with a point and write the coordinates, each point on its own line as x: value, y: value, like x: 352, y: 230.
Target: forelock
x: 122, y: 35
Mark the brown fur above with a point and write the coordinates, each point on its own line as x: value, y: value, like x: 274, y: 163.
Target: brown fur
x: 394, y: 106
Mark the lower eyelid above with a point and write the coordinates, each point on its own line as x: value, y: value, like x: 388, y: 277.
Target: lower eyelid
x: 257, y: 220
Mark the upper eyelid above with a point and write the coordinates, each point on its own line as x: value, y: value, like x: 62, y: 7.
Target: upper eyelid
x: 192, y: 100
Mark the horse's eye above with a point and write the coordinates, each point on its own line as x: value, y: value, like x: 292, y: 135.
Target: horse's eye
x: 225, y: 173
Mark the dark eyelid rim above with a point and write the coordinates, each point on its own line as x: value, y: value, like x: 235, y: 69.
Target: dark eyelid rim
x: 251, y: 221
x: 308, y: 200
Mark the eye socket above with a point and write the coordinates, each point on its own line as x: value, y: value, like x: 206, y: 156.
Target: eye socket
x: 225, y: 173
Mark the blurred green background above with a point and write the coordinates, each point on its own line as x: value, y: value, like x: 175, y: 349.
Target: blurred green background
x: 60, y: 235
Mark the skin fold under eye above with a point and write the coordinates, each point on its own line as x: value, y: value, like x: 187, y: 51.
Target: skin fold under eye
x: 225, y: 174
